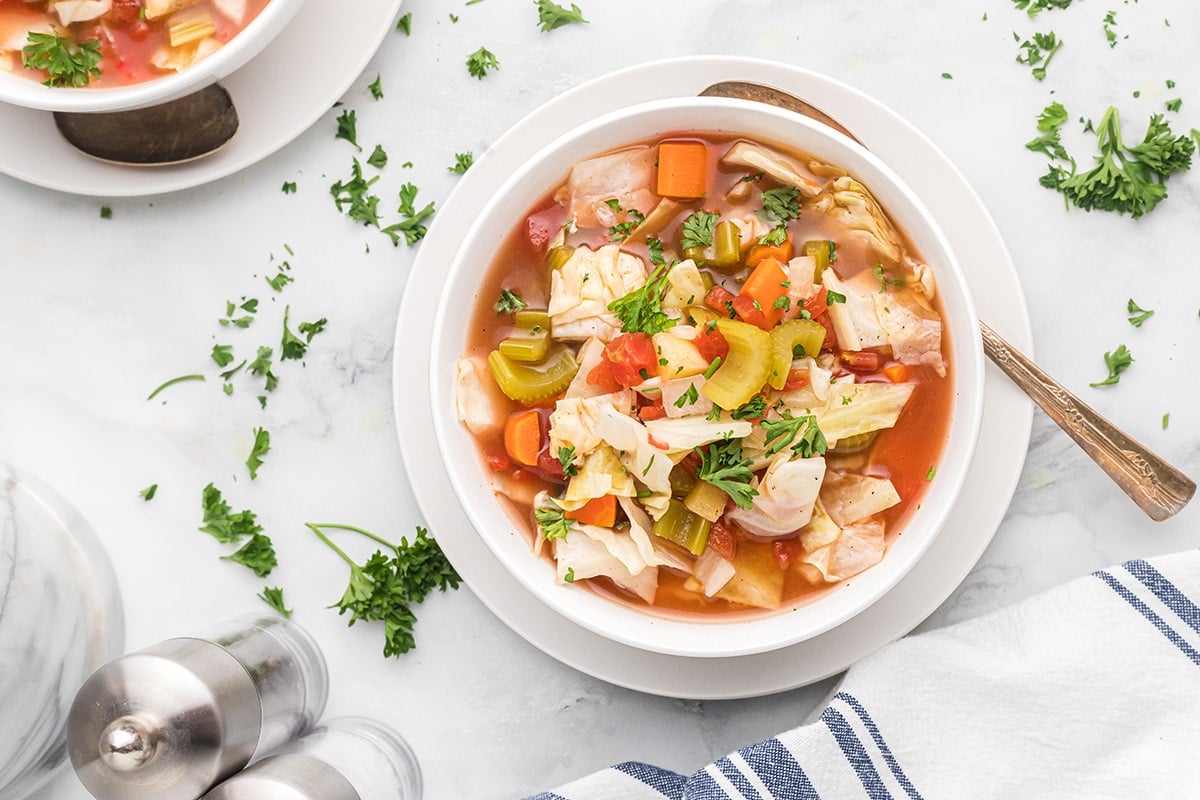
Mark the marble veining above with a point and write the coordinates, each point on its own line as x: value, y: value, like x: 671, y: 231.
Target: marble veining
x: 60, y: 618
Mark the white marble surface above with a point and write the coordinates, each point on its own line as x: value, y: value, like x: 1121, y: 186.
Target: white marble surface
x: 94, y: 313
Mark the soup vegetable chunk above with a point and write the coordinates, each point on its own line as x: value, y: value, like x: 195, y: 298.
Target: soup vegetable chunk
x: 709, y: 374
x: 108, y: 43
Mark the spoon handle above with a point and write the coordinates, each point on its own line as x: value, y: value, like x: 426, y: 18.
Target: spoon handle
x: 1158, y: 488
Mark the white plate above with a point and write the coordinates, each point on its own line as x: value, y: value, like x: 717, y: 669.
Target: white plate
x: 1004, y: 435
x: 272, y: 110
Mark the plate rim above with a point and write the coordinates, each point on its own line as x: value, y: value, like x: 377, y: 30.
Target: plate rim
x: 524, y: 613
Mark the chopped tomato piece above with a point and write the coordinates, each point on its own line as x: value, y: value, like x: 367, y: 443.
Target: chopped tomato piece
x: 720, y: 299
x: 711, y: 343
x: 498, y: 461
x: 785, y: 551
x: 632, y: 358
x: 796, y: 379
x: 817, y: 304
x: 831, y: 342
x: 601, y: 376
x: 542, y: 226
x: 654, y: 410
x: 721, y: 540
x: 751, y: 311
x: 860, y: 360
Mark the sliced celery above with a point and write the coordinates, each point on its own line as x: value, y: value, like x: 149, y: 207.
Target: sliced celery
x: 821, y: 251
x: 558, y: 256
x: 746, y: 367
x: 530, y: 341
x: 727, y: 247
x: 784, y: 339
x: 530, y: 383
x: 683, y: 528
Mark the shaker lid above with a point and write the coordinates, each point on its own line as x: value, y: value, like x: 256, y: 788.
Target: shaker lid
x: 286, y: 777
x: 165, y: 723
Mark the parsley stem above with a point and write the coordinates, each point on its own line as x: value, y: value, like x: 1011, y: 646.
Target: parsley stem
x: 174, y: 381
x: 316, y: 526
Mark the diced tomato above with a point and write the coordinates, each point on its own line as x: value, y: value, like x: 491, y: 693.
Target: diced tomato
x: 796, y: 379
x: 831, y: 341
x: 632, y: 358
x: 549, y: 467
x: 124, y: 12
x: 654, y: 410
x: 601, y: 377
x: 656, y: 443
x: 860, y: 360
x: 750, y: 312
x: 721, y: 540
x: 817, y: 304
x: 720, y: 299
x: 785, y: 550
x: 711, y: 343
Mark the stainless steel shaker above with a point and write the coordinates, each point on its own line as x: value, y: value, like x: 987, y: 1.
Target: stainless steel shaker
x: 171, y: 721
x: 345, y: 759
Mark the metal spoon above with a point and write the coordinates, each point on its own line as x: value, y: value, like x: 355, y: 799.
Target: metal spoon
x: 1158, y: 488
x: 181, y: 130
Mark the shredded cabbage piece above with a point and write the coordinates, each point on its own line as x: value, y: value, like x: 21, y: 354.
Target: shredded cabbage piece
x: 786, y: 495
x: 582, y: 289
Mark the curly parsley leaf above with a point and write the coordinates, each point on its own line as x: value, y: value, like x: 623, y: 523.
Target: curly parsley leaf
x: 641, y: 310
x: 404, y: 24
x: 462, y: 162
x: 395, y: 578
x: 1117, y: 362
x: 566, y: 457
x: 782, y: 433
x: 222, y: 524
x: 1035, y: 7
x: 781, y: 205
x: 411, y: 228
x: 552, y: 521
x: 261, y: 446
x: 698, y: 229
x: 258, y: 555
x: 1038, y: 52
x: 376, y: 87
x: 752, y: 409
x: 722, y: 465
x: 378, y: 158
x: 347, y: 127
x: 1050, y: 123
x: 479, y: 62
x: 1137, y: 314
x: 273, y: 596
x: 148, y: 493
x: 509, y: 302
x: 551, y: 15
x: 67, y: 64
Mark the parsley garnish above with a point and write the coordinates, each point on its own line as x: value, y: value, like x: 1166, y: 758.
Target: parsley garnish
x: 932, y: 471
x: 722, y: 465
x: 551, y: 15
x: 258, y: 555
x: 411, y: 228
x: 479, y: 62
x: 622, y: 231
x: 1137, y: 314
x: 1117, y: 362
x: 1126, y: 179
x: 222, y: 354
x: 566, y: 457
x: 1038, y: 52
x: 291, y: 347
x: 378, y: 158
x: 782, y: 205
x: 569, y: 575
x: 884, y: 280
x: 509, y: 302
x: 641, y: 310
x: 462, y: 162
x: 148, y: 493
x: 376, y: 87
x: 172, y: 382
x: 689, y: 397
x: 1035, y: 7
x: 782, y: 433
x: 1052, y: 118
x: 752, y: 409
x: 404, y: 24
x: 712, y: 368
x: 289, y: 187
x: 552, y: 520
x: 347, y: 127
x: 273, y: 596
x: 654, y: 248
x: 261, y: 446
x: 776, y: 236
x: 385, y: 588
x: 832, y: 297
x: 67, y: 65
x: 106, y: 211
x: 698, y: 229
x: 352, y: 197
x: 1110, y: 23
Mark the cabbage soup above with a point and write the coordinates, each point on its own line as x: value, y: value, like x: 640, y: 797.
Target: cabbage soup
x: 707, y: 375
x: 110, y: 43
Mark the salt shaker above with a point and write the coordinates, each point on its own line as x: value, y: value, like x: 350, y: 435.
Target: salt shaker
x: 173, y: 720
x: 349, y: 758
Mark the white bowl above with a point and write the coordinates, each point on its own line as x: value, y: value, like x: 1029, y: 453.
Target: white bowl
x: 640, y: 627
x: 22, y: 91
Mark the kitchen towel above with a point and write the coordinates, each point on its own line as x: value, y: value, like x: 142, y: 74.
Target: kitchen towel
x: 1090, y: 690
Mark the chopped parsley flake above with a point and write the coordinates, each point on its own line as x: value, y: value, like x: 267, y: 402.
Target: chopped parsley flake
x: 1117, y: 362
x: 1137, y: 314
x: 551, y: 15
x: 509, y: 302
x: 479, y: 62
x: 347, y: 127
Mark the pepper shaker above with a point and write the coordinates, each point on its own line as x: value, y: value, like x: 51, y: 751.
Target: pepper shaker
x: 349, y: 758
x: 173, y: 720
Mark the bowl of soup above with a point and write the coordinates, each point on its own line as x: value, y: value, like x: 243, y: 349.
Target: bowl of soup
x: 707, y: 377
x: 111, y: 55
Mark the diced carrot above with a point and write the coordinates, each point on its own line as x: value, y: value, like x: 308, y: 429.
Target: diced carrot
x: 764, y: 287
x: 896, y: 373
x: 600, y: 511
x: 780, y: 252
x: 523, y: 437
x: 682, y: 169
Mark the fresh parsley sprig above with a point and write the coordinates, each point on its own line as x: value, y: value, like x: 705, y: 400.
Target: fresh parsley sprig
x: 393, y: 580
x: 480, y: 62
x: 551, y: 15
x: 1117, y: 362
x: 782, y: 433
x: 722, y: 465
x: 698, y: 229
x: 641, y: 310
x: 552, y: 520
x: 66, y: 63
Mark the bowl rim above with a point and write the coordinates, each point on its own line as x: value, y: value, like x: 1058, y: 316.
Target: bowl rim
x: 26, y: 93
x: 679, y: 635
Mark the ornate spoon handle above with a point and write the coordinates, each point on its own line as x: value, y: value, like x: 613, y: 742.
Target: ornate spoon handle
x: 1158, y: 488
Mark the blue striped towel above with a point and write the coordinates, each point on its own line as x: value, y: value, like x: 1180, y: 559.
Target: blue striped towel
x: 1090, y: 690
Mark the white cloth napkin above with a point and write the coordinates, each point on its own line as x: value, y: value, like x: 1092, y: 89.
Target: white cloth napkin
x: 1090, y: 690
